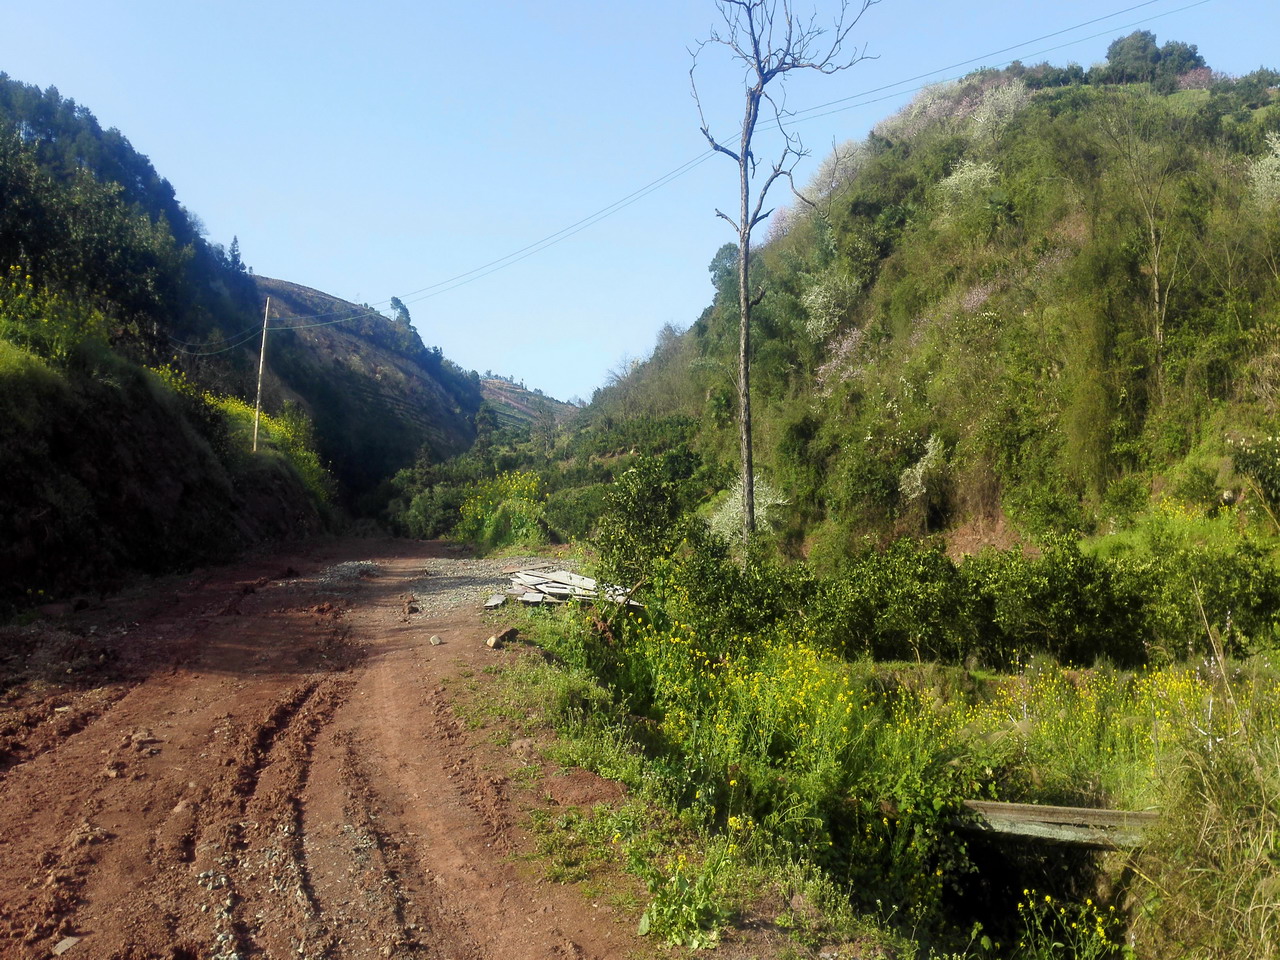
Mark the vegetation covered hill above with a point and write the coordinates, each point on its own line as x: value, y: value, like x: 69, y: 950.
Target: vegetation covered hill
x: 128, y: 367
x: 376, y: 395
x: 1032, y: 318
x: 515, y: 406
x: 1038, y: 305
x: 1025, y: 305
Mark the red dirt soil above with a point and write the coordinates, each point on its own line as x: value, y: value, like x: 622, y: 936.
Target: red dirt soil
x: 244, y: 763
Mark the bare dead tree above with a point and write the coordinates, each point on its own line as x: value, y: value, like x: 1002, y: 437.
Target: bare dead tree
x: 771, y: 42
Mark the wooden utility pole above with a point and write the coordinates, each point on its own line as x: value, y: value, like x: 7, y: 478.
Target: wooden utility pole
x: 262, y: 362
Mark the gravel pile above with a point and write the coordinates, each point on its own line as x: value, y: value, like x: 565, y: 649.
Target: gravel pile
x: 349, y: 572
x: 442, y: 584
x: 450, y: 584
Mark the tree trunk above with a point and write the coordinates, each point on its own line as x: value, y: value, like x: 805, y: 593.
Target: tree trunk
x: 744, y: 339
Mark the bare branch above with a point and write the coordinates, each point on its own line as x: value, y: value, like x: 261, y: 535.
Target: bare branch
x: 706, y: 131
x: 725, y: 216
x: 800, y: 196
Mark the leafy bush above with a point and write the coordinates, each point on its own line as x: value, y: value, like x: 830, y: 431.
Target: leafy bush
x: 43, y: 322
x: 907, y: 602
x: 1193, y: 572
x: 1259, y: 459
x: 1075, y: 607
x: 432, y: 512
x: 574, y: 512
x: 640, y: 523
x: 505, y: 511
x: 686, y: 908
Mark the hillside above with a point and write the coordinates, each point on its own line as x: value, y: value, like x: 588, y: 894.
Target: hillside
x: 375, y: 393
x: 514, y: 406
x: 1036, y: 302
x: 1029, y: 304
x: 128, y: 365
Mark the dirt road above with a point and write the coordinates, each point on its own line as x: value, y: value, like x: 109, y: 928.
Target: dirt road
x: 263, y: 761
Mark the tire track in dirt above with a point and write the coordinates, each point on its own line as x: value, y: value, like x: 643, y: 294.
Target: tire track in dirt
x: 446, y: 797
x: 250, y: 848
x: 274, y: 770
x: 100, y: 786
x: 28, y: 732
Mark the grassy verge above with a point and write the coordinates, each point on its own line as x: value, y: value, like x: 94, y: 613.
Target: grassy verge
x: 812, y: 800
x: 693, y: 883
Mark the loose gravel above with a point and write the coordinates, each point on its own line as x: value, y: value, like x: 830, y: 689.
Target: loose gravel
x: 443, y: 584
x: 452, y: 584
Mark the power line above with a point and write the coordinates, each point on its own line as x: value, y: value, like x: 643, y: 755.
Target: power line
x: 575, y: 227
x: 996, y: 53
x: 862, y: 103
x: 809, y: 113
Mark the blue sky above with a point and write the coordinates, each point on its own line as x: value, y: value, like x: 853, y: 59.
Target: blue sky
x: 375, y: 150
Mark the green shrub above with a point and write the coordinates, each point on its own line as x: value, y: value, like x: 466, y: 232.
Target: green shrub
x: 1196, y: 571
x: 574, y: 512
x: 1075, y: 607
x: 640, y: 523
x: 1258, y: 458
x: 1125, y: 499
x: 432, y: 512
x: 43, y: 322
x: 907, y: 602
x: 505, y: 511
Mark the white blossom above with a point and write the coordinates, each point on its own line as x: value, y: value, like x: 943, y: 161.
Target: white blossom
x: 726, y: 521
x: 1264, y: 174
x: 828, y: 299
x: 916, y: 479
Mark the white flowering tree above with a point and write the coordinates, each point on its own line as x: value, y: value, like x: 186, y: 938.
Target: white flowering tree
x: 1264, y: 175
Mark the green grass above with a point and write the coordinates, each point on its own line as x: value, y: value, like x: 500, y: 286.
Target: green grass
x: 777, y: 762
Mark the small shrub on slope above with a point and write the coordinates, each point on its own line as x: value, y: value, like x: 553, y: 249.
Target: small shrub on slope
x: 504, y: 511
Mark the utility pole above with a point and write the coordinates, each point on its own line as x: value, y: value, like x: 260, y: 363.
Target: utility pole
x: 262, y: 362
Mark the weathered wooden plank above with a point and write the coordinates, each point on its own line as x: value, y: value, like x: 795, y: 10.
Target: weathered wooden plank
x: 495, y: 601
x: 1082, y: 826
x: 529, y: 579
